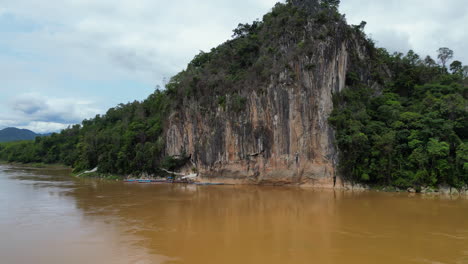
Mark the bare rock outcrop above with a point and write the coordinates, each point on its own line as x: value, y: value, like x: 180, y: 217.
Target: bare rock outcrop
x: 282, y: 135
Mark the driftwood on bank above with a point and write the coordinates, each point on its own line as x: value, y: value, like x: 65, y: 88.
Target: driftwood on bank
x: 175, y: 173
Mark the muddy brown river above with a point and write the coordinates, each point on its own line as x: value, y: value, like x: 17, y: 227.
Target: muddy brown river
x: 50, y: 217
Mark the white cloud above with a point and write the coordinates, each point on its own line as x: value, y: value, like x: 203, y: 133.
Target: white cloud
x: 7, y: 123
x: 421, y: 25
x: 392, y: 39
x: 62, y: 110
x: 147, y: 39
x: 44, y: 127
x: 43, y: 114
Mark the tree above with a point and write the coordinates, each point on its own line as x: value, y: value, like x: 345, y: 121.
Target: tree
x: 456, y: 67
x: 361, y: 26
x: 429, y: 62
x: 445, y: 54
x: 331, y: 3
x: 465, y: 71
x: 412, y: 57
x: 243, y: 30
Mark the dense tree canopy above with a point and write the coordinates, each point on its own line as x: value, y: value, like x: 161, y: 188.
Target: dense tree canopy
x: 413, y: 134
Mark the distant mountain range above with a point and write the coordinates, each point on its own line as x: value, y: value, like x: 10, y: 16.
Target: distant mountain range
x: 15, y: 134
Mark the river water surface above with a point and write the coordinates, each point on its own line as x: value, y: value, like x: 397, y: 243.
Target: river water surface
x: 47, y: 216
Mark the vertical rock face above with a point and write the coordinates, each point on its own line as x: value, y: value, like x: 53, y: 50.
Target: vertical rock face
x: 283, y: 135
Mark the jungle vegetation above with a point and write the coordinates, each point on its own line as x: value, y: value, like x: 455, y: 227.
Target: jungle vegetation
x: 414, y: 132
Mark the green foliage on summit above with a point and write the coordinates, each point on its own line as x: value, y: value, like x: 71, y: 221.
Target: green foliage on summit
x: 412, y: 134
x: 225, y: 75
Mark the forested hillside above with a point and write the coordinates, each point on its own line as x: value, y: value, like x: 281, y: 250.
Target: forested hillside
x: 414, y: 132
x: 15, y: 134
x: 409, y: 130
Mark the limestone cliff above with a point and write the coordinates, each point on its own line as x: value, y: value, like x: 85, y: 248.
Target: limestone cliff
x: 281, y: 135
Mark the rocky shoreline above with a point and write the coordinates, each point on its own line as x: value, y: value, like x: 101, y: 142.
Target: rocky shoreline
x: 345, y: 186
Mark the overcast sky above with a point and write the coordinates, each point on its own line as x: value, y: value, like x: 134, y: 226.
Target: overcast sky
x: 65, y: 60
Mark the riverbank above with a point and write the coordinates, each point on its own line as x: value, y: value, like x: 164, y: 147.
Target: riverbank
x: 36, y: 165
x: 93, y: 174
x: 444, y: 190
x: 97, y: 175
x: 345, y: 185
